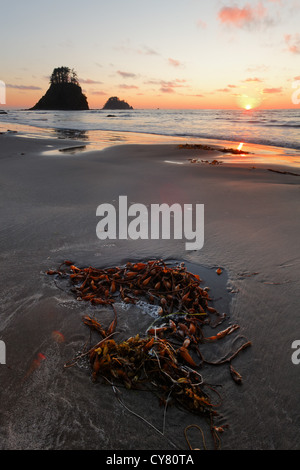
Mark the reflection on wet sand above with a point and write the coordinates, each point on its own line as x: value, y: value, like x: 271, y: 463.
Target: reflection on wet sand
x: 70, y: 134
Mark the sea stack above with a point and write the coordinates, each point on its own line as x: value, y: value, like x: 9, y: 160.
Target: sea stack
x: 115, y: 103
x: 64, y: 93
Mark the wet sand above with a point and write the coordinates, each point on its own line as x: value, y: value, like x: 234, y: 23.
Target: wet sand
x: 48, y: 214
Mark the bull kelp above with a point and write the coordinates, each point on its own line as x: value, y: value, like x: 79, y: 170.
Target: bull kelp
x: 167, y: 359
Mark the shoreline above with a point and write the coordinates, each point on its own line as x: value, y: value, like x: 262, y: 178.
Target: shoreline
x: 48, y: 209
x: 93, y: 140
x: 261, y: 127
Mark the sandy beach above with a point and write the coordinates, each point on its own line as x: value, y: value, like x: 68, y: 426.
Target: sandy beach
x: 251, y: 231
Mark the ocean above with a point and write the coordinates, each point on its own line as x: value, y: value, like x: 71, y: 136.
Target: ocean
x: 280, y: 128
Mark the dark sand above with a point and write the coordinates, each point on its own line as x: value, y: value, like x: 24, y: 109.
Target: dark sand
x: 48, y: 214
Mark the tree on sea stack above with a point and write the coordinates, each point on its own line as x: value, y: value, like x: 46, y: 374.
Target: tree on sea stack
x: 64, y: 75
x: 64, y: 94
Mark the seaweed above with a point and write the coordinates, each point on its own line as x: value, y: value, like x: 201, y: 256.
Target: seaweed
x: 167, y: 359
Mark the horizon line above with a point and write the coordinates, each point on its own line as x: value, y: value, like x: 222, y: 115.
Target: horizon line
x: 237, y: 108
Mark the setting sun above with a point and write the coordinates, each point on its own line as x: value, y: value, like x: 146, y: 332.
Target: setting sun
x: 248, y: 107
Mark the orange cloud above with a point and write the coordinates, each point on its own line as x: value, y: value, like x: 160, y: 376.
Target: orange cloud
x: 272, y: 90
x: 255, y: 79
x: 241, y: 17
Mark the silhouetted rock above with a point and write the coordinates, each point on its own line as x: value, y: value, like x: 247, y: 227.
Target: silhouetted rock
x: 64, y: 94
x: 2, y: 111
x: 63, y: 97
x: 115, y: 103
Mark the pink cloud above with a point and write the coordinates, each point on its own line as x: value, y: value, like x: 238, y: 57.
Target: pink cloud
x: 240, y: 17
x: 100, y: 93
x: 127, y: 87
x: 167, y: 86
x: 23, y: 87
x: 293, y: 42
x: 201, y: 24
x: 147, y: 51
x: 174, y: 62
x: 170, y: 84
x: 126, y: 74
x: 165, y: 89
x: 88, y: 81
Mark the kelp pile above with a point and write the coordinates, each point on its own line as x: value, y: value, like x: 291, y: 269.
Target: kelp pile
x: 174, y: 289
x: 166, y: 359
x: 154, y: 362
x: 213, y: 162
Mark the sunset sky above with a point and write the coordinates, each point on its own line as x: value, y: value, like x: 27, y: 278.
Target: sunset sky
x: 158, y: 53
